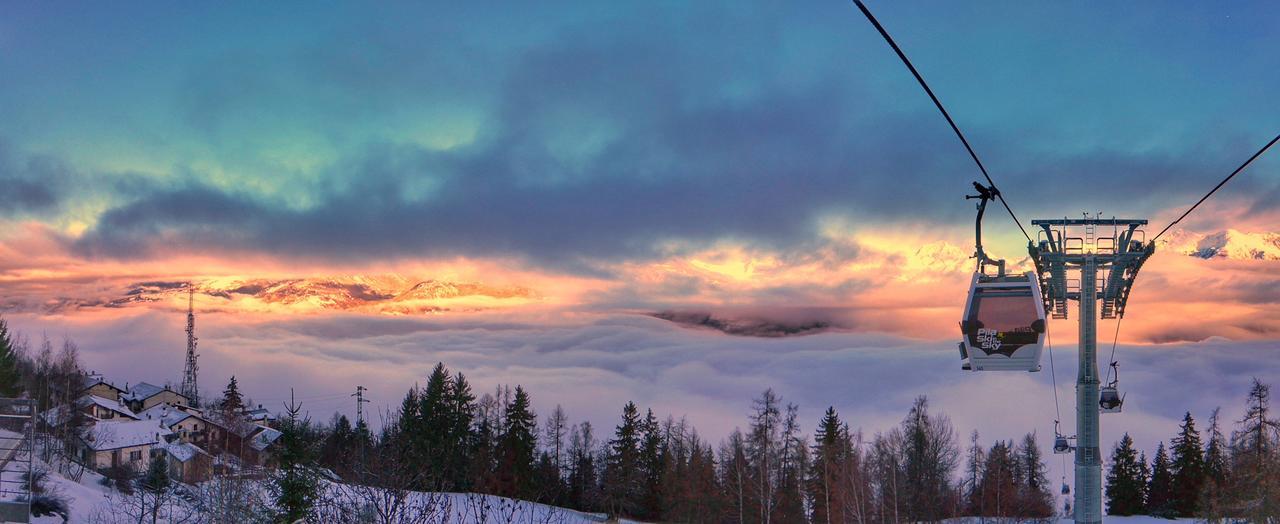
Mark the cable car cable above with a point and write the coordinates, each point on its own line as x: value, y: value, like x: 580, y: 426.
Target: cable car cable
x: 946, y: 115
x: 1215, y: 188
x: 1113, y: 348
x: 1053, y: 374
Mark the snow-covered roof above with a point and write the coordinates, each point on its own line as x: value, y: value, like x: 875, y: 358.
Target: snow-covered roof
x: 183, y: 451
x: 259, y: 414
x: 113, y: 405
x: 264, y: 438
x: 143, y: 391
x: 167, y: 415
x: 95, y: 379
x: 114, y: 435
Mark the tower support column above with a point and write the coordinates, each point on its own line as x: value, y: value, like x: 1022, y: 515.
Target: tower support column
x: 1088, y: 496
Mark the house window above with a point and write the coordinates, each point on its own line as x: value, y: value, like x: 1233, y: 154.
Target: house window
x: 135, y: 456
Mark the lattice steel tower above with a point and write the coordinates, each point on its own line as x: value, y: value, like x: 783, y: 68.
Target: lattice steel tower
x: 189, y: 386
x: 1107, y: 266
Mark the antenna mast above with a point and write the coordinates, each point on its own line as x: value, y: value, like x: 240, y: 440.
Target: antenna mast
x: 189, y: 387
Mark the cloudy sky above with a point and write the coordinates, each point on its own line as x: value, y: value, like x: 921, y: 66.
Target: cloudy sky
x: 577, y: 166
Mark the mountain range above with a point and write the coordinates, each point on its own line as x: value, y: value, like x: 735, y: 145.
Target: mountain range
x: 392, y: 294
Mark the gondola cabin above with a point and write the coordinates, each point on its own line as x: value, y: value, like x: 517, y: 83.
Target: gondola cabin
x: 1003, y: 326
x: 1109, y: 400
x: 1061, y: 446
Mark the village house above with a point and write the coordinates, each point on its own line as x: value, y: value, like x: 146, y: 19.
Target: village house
x: 104, y: 409
x: 128, y: 428
x: 144, y: 396
x: 127, y: 444
x: 188, y: 463
x: 261, y: 443
x: 260, y: 416
x: 188, y: 424
x: 95, y: 384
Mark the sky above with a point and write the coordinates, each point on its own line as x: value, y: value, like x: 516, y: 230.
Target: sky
x: 569, y: 169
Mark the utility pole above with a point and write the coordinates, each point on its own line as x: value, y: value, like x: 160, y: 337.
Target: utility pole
x: 1060, y: 248
x: 360, y: 402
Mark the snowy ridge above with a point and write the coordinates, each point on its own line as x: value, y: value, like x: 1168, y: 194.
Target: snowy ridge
x: 1224, y: 245
x: 379, y: 293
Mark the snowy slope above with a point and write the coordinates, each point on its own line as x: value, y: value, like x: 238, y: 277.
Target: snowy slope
x: 88, y: 499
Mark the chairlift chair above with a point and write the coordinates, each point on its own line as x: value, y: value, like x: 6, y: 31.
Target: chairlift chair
x: 1004, y: 319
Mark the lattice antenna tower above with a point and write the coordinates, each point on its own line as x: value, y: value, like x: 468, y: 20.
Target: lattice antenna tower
x: 189, y: 385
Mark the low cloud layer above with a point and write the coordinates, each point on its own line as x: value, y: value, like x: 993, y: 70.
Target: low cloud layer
x: 592, y: 365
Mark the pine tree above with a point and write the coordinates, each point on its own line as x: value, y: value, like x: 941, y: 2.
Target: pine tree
x: 828, y: 482
x: 516, y: 448
x: 433, y: 425
x: 232, y: 400
x: 1160, y: 487
x: 1126, y: 483
x: 1187, y: 468
x: 651, y: 468
x: 296, y: 484
x: 154, y: 487
x: 460, y: 407
x: 10, y: 379
x: 622, y: 478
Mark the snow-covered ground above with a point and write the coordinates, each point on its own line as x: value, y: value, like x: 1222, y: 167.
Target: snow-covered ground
x: 89, y: 500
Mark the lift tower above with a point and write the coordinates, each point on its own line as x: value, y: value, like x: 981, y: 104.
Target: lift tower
x: 1107, y: 267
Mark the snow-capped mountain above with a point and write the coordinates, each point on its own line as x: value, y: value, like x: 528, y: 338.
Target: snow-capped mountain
x: 394, y: 294
x: 1229, y: 245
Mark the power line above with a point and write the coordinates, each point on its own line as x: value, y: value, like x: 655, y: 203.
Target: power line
x: 1220, y: 184
x: 945, y: 114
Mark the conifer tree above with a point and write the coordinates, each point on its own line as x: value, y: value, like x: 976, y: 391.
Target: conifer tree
x: 1160, y: 487
x: 296, y: 484
x: 1215, y: 453
x: 1187, y: 468
x: 622, y: 478
x: 232, y: 400
x: 10, y: 379
x: 827, y: 484
x: 651, y: 468
x: 460, y: 408
x: 431, y: 434
x: 1126, y: 483
x: 517, y: 447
